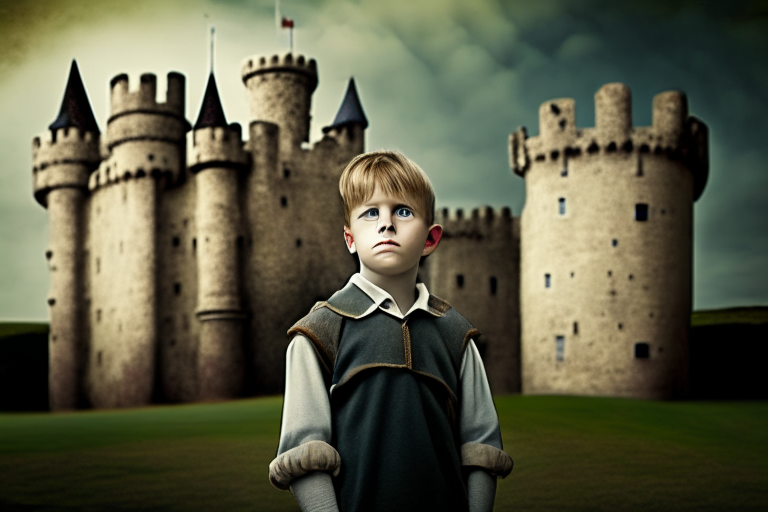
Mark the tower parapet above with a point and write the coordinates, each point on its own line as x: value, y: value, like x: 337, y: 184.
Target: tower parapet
x: 481, y: 223
x: 145, y: 137
x: 64, y: 157
x: 280, y: 91
x: 673, y: 133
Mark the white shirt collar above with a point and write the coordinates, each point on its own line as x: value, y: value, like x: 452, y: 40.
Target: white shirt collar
x: 384, y: 301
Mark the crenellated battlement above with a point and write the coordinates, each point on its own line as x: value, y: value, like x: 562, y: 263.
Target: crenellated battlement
x: 63, y: 158
x: 124, y: 101
x: 673, y: 133
x: 253, y: 66
x: 110, y: 173
x: 217, y: 146
x: 485, y: 222
x: 65, y: 144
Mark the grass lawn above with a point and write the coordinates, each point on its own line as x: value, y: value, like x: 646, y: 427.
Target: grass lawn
x: 570, y: 454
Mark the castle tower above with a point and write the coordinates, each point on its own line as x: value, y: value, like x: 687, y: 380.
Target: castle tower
x: 350, y: 123
x: 476, y: 269
x: 280, y: 91
x: 295, y: 253
x: 146, y: 144
x: 62, y: 163
x: 606, y: 247
x: 217, y: 158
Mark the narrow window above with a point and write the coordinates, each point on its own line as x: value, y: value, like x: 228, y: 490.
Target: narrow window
x: 177, y: 288
x: 176, y: 241
x: 98, y: 315
x: 547, y: 280
x: 460, y: 281
x: 559, y: 348
x: 561, y: 206
x: 98, y: 358
x: 298, y: 242
x: 194, y: 244
x: 641, y: 212
x: 614, y: 242
x: 284, y: 201
x: 494, y: 284
x: 239, y: 242
x: 575, y: 327
x: 286, y: 173
x: 98, y: 265
x: 642, y: 351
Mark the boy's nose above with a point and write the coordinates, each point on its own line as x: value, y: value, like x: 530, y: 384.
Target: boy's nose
x: 383, y: 228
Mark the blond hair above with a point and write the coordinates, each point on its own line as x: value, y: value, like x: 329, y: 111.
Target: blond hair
x: 394, y: 173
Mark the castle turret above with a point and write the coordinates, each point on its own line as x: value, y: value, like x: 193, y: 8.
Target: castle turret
x: 606, y: 247
x: 146, y: 143
x: 216, y: 159
x: 62, y: 162
x: 348, y: 128
x: 280, y: 91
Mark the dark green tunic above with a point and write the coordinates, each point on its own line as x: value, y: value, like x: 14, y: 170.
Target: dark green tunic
x: 394, y: 402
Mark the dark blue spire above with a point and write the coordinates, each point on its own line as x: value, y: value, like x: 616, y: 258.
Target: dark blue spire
x: 211, y: 112
x: 351, y: 111
x: 75, y: 108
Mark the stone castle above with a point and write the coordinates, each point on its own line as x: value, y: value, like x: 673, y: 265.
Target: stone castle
x: 175, y: 273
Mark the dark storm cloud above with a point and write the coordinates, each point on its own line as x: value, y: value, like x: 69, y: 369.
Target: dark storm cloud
x: 445, y: 81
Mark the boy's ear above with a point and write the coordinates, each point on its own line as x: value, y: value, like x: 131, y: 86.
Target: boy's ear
x: 433, y: 238
x: 349, y: 240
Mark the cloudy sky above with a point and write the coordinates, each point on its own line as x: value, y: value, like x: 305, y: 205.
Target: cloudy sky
x: 444, y: 81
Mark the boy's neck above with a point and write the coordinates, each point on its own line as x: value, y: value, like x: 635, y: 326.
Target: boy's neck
x: 401, y: 287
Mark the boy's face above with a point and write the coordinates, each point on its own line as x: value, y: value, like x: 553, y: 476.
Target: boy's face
x: 389, y: 236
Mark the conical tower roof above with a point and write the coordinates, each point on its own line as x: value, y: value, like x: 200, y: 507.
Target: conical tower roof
x: 75, y: 108
x: 351, y: 111
x: 211, y: 112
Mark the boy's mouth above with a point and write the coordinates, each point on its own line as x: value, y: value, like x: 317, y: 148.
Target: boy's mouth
x: 387, y: 242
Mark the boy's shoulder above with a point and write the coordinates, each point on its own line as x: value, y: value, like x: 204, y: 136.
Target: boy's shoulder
x: 324, y: 323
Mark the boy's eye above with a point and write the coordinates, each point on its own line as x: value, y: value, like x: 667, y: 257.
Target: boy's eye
x: 403, y: 213
x: 370, y: 214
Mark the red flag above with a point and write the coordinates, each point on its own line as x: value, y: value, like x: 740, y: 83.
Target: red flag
x: 287, y: 23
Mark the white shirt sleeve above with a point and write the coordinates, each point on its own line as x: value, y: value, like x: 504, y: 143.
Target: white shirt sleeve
x: 306, y: 405
x: 479, y: 422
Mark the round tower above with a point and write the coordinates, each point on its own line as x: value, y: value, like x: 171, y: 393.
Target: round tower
x: 146, y: 143
x: 606, y: 247
x: 63, y: 160
x: 217, y: 158
x: 280, y: 91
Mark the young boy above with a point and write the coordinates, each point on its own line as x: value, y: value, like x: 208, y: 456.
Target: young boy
x: 387, y: 406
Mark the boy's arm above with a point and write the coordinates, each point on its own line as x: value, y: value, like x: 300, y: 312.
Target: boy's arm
x: 305, y: 432
x: 481, y: 446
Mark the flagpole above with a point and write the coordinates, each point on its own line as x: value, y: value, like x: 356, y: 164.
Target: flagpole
x: 213, y: 30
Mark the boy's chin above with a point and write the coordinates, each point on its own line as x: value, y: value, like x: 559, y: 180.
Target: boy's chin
x: 386, y: 271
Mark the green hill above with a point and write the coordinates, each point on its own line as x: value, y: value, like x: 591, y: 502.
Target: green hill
x: 571, y: 453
